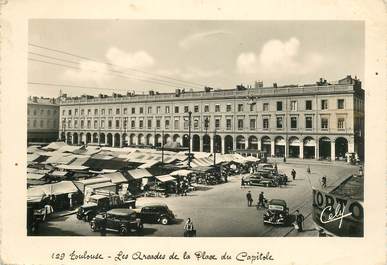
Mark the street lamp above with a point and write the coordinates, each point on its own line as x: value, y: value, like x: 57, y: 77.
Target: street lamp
x: 64, y: 129
x: 189, y: 138
x: 162, y: 147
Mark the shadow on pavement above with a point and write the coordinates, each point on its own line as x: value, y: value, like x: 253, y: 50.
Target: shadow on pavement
x: 178, y: 221
x: 145, y: 232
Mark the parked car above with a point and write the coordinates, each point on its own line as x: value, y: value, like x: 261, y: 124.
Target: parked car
x: 158, y: 213
x: 277, y: 213
x: 122, y: 220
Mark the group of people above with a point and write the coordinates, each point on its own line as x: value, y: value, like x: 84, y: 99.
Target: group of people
x: 262, y: 201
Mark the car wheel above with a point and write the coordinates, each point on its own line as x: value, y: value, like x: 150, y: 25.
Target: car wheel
x: 88, y: 218
x: 164, y: 221
x: 93, y: 227
x: 123, y: 231
x: 140, y: 227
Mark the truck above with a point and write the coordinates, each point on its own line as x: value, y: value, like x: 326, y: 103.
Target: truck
x: 103, y: 201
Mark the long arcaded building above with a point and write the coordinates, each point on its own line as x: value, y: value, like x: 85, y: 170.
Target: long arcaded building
x: 320, y: 121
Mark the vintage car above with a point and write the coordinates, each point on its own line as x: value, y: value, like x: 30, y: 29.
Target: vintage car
x: 122, y: 220
x: 157, y: 213
x: 277, y: 213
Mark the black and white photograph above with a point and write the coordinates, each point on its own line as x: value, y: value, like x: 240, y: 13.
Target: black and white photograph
x: 193, y: 132
x: 195, y: 128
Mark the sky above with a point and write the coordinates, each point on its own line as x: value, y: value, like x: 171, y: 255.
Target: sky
x: 163, y: 55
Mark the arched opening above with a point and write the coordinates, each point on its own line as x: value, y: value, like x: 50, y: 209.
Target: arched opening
x: 294, y: 147
x: 82, y: 138
x: 228, y: 144
x: 177, y: 139
x: 117, y: 140
x: 167, y: 139
x: 75, y: 137
x: 88, y: 138
x: 109, y: 139
x: 309, y: 147
x: 62, y: 136
x: 253, y: 142
x: 195, y: 143
x: 102, y: 139
x: 324, y: 147
x: 68, y: 140
x: 95, y: 137
x: 132, y: 139
x: 341, y: 147
x: 217, y: 144
x: 279, y: 147
x: 206, y: 143
x: 158, y: 140
x: 125, y: 139
x: 266, y: 145
x: 141, y: 140
x: 149, y: 139
x: 240, y: 142
x: 185, y: 140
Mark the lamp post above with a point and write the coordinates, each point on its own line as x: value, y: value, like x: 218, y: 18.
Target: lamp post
x: 162, y: 147
x: 189, y: 138
x: 125, y: 131
x: 215, y: 147
x: 64, y: 129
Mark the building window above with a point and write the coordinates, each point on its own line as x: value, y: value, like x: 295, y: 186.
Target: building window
x: 279, y: 106
x: 125, y: 125
x: 196, y: 123
x: 133, y: 124
x: 149, y: 124
x: 324, y: 123
x: 102, y: 111
x: 95, y: 111
x: 176, y: 124
x: 34, y: 124
x: 252, y: 124
x: 186, y: 109
x: 240, y: 107
x: 217, y: 108
x: 186, y: 123
x: 265, y: 123
x: 69, y: 111
x: 117, y: 124
x: 88, y: 112
x: 308, y: 105
x: 133, y: 110
x: 340, y: 103
x: 125, y: 111
x: 217, y: 123
x: 117, y: 111
x: 176, y: 109
x: 158, y: 124
x: 103, y: 124
x: 141, y: 125
x: 279, y: 122
x: 293, y: 105
x: 206, y: 108
x: 265, y: 106
x: 95, y: 124
x: 76, y: 112
x: 48, y: 123
x: 82, y: 112
x: 252, y: 106
x: 110, y: 124
x: 88, y: 124
x: 196, y: 108
x: 166, y: 124
x: 293, y: 122
x: 141, y: 110
x: 167, y: 110
x: 63, y: 112
x: 240, y: 124
x: 158, y: 109
x: 228, y: 124
x: 75, y: 124
x: 149, y: 110
x: 308, y: 122
x: 82, y: 124
x: 228, y: 107
x: 340, y: 123
x: 324, y: 104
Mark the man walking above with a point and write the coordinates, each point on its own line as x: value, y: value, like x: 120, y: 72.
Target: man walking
x: 261, y: 200
x: 294, y: 174
x: 324, y: 182
x: 249, y: 199
x: 299, y: 221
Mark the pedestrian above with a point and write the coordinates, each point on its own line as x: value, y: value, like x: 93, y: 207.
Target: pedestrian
x: 294, y: 174
x: 324, y: 182
x: 249, y: 199
x: 308, y: 169
x: 242, y: 182
x: 103, y: 226
x: 299, y: 221
x: 275, y: 167
x: 189, y: 230
x: 261, y: 200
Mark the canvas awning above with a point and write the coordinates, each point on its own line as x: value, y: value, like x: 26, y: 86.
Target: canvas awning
x: 72, y: 167
x: 165, y: 178
x: 139, y: 173
x: 59, y: 188
x: 58, y: 173
x: 54, y: 146
x: 35, y: 176
x: 181, y: 172
x: 149, y: 164
x: 116, y: 177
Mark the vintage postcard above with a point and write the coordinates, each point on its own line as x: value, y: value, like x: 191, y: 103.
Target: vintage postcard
x: 141, y: 133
